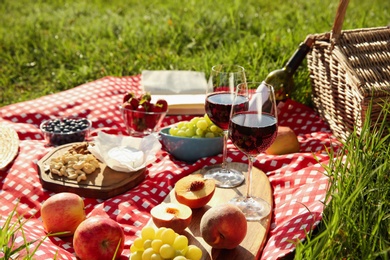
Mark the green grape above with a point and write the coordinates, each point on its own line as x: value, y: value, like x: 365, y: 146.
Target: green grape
x: 156, y: 257
x: 147, y: 254
x: 183, y: 128
x: 178, y: 253
x: 194, y: 252
x: 184, y: 251
x: 173, y: 131
x: 180, y: 124
x: 213, y: 128
x: 207, y: 118
x: 148, y: 232
x: 156, y: 244
x: 180, y: 257
x: 189, y: 125
x: 167, y: 251
x: 139, y: 242
x: 209, y: 135
x: 181, y: 133
x: 159, y: 232
x: 199, y: 132
x: 136, y: 255
x: 194, y: 120
x: 147, y: 243
x: 202, y: 124
x: 134, y: 249
x: 190, y: 132
x: 168, y: 236
x: 163, y: 243
x: 197, y: 127
x: 180, y: 242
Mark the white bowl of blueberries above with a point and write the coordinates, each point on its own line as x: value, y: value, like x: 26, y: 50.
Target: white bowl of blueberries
x: 60, y: 131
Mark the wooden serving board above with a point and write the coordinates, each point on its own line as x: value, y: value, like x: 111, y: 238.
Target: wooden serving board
x: 103, y: 183
x: 254, y: 241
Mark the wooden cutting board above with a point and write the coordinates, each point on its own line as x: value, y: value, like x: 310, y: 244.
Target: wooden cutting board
x: 254, y: 241
x: 104, y: 183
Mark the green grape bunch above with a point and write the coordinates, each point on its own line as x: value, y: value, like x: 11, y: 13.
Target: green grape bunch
x: 197, y: 127
x: 163, y: 243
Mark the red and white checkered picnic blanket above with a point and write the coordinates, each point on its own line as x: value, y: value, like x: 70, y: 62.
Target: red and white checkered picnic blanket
x: 297, y: 180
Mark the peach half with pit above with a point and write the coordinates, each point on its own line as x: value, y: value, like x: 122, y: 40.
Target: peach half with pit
x: 194, y: 190
x: 172, y: 215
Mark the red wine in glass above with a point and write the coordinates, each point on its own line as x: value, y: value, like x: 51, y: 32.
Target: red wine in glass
x: 253, y: 133
x: 220, y: 92
x: 218, y: 106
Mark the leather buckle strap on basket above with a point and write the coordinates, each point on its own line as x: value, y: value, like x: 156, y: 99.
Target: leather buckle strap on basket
x: 349, y: 69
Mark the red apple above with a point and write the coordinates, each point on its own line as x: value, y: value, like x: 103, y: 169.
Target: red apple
x: 62, y: 212
x: 98, y: 237
x: 172, y: 215
x: 194, y: 190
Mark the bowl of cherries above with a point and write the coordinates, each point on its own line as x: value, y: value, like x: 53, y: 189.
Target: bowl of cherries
x: 142, y: 116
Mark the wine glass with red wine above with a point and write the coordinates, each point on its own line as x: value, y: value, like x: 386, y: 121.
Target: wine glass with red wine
x: 252, y: 131
x: 219, y: 97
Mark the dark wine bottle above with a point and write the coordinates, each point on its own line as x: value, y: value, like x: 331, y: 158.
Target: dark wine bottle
x: 282, y: 79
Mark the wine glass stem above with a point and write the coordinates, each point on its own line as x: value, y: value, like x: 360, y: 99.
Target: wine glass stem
x: 251, y: 159
x: 224, y: 152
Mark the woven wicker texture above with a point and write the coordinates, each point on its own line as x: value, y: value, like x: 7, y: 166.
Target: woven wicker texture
x: 9, y: 145
x: 348, y: 70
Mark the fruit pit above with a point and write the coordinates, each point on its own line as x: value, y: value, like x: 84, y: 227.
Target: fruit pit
x: 172, y: 211
x: 196, y: 185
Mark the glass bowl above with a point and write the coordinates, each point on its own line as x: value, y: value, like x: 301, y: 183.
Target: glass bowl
x: 141, y: 123
x: 59, y: 131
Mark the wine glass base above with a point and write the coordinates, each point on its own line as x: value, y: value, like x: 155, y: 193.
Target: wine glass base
x: 253, y: 208
x: 225, y: 178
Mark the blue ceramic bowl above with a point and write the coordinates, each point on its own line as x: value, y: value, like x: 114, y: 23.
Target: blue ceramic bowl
x: 190, y: 149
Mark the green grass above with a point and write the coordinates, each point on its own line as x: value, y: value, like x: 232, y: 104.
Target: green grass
x: 356, y: 220
x: 50, y: 46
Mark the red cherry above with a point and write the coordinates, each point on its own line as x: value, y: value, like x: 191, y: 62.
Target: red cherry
x: 147, y: 96
x: 141, y: 108
x: 134, y: 102
x: 151, y: 107
x: 127, y: 105
x: 151, y: 120
x: 163, y: 104
x: 127, y: 97
x: 146, y: 104
x: 157, y: 108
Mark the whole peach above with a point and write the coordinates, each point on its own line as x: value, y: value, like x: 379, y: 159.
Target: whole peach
x: 223, y: 226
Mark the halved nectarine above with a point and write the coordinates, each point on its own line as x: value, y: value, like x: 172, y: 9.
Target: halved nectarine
x: 172, y: 215
x: 194, y: 190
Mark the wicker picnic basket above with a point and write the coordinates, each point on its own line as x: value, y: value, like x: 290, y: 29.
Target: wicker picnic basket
x: 348, y: 70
